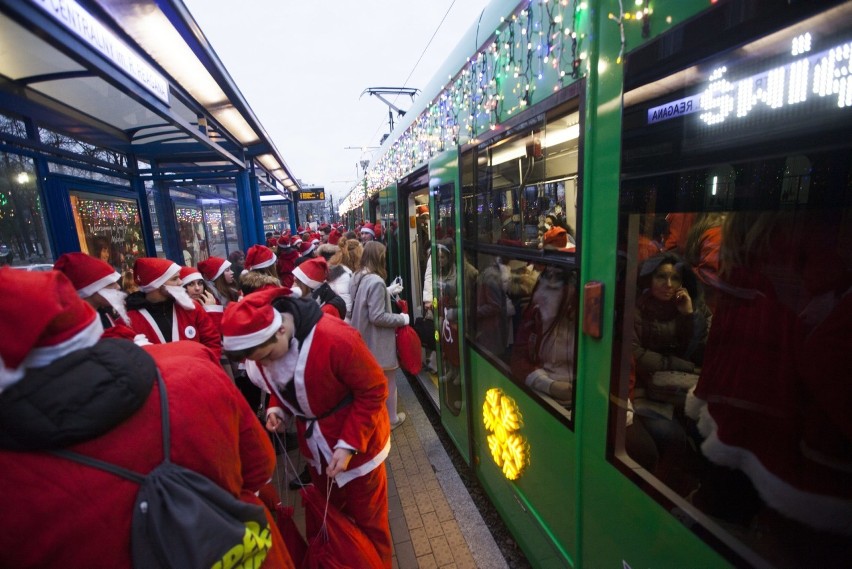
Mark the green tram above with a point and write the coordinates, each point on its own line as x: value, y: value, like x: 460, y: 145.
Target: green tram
x: 631, y: 221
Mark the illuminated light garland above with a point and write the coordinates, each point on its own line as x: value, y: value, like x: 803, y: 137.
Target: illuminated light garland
x: 534, y: 48
x: 502, y: 418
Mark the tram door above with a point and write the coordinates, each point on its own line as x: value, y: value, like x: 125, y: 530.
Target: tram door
x: 447, y: 267
x: 414, y: 236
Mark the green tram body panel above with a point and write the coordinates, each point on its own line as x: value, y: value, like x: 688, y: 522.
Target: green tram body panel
x: 576, y: 504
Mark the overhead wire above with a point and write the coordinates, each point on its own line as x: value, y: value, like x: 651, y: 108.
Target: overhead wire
x: 419, y: 59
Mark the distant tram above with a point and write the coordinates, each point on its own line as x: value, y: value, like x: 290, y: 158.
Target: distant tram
x: 628, y: 224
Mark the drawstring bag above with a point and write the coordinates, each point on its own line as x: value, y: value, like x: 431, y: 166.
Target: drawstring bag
x: 297, y: 547
x: 408, y: 344
x: 338, y: 543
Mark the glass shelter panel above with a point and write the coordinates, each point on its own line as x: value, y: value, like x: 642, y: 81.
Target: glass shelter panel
x: 192, y: 236
x: 23, y: 235
x: 731, y: 381
x: 519, y: 215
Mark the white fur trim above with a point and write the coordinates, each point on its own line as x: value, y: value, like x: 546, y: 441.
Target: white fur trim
x: 222, y: 269
x: 368, y: 230
x: 693, y: 405
x: 214, y: 308
x: 91, y: 289
x: 819, y: 511
x: 153, y: 323
x: 264, y: 264
x: 232, y: 343
x: 196, y: 276
x: 161, y: 280
x: 300, y: 274
x: 348, y: 475
x: 40, y: 357
x: 308, y: 251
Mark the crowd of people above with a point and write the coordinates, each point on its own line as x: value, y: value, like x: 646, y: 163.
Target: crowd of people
x: 300, y: 327
x: 739, y: 374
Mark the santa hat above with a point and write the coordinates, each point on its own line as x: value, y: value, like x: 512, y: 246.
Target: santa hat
x: 284, y: 240
x: 88, y: 274
x: 188, y: 275
x: 305, y: 248
x: 295, y: 241
x: 334, y: 236
x: 213, y: 268
x: 378, y: 229
x: 422, y: 210
x: 252, y: 321
x: 312, y: 273
x: 150, y: 273
x: 369, y: 228
x: 46, y: 321
x: 259, y: 257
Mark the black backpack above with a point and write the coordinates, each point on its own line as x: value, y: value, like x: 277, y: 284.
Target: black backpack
x: 184, y: 520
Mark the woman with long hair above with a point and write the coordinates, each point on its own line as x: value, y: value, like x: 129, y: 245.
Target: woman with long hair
x: 373, y: 318
x: 341, y: 267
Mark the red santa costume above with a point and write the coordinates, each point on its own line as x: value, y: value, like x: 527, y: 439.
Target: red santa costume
x: 188, y: 319
x: 287, y: 255
x: 314, y: 274
x: 61, y: 388
x: 94, y: 279
x: 332, y: 384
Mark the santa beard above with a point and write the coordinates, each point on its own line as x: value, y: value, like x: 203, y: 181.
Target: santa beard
x: 181, y: 296
x: 115, y: 298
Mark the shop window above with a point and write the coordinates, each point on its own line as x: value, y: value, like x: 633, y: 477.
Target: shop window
x: 231, y: 227
x: 108, y: 228
x: 23, y: 236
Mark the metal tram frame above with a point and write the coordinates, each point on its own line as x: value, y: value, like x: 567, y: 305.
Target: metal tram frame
x: 580, y: 501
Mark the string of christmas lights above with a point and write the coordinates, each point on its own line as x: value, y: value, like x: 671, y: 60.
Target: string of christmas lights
x: 532, y: 53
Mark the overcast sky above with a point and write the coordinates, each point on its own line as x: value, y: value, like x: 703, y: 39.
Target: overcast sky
x: 303, y: 65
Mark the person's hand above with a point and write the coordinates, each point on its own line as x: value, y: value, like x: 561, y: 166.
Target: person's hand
x: 274, y: 423
x: 339, y: 462
x: 207, y: 298
x: 683, y: 301
x: 395, y: 288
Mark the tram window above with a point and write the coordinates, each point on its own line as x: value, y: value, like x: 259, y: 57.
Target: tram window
x: 191, y: 234
x: 526, y: 188
x: 731, y: 379
x: 523, y: 318
x: 519, y: 216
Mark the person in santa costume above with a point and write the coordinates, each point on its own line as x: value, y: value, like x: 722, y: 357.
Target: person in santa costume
x: 97, y: 284
x: 287, y: 253
x: 311, y: 279
x: 162, y: 309
x: 261, y: 259
x: 319, y: 370
x: 367, y: 232
x: 219, y: 278
x: 63, y: 388
x: 198, y: 290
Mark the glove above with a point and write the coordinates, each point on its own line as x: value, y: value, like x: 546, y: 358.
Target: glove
x: 407, y: 319
x: 395, y: 288
x: 141, y: 340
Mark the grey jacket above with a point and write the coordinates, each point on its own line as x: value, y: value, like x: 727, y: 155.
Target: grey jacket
x: 372, y: 317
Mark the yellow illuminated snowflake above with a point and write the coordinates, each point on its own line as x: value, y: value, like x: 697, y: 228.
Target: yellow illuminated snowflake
x: 502, y: 419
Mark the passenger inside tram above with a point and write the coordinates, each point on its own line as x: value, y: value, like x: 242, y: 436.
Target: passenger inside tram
x: 671, y: 324
x: 543, y: 351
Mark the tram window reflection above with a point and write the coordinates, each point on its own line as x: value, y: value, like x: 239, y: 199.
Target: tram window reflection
x: 524, y: 318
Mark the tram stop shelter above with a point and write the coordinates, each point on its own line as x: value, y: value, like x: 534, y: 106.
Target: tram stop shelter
x: 123, y: 135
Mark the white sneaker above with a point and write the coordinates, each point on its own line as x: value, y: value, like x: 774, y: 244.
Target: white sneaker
x: 400, y: 419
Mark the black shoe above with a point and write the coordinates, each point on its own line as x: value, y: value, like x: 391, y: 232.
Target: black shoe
x: 304, y: 479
